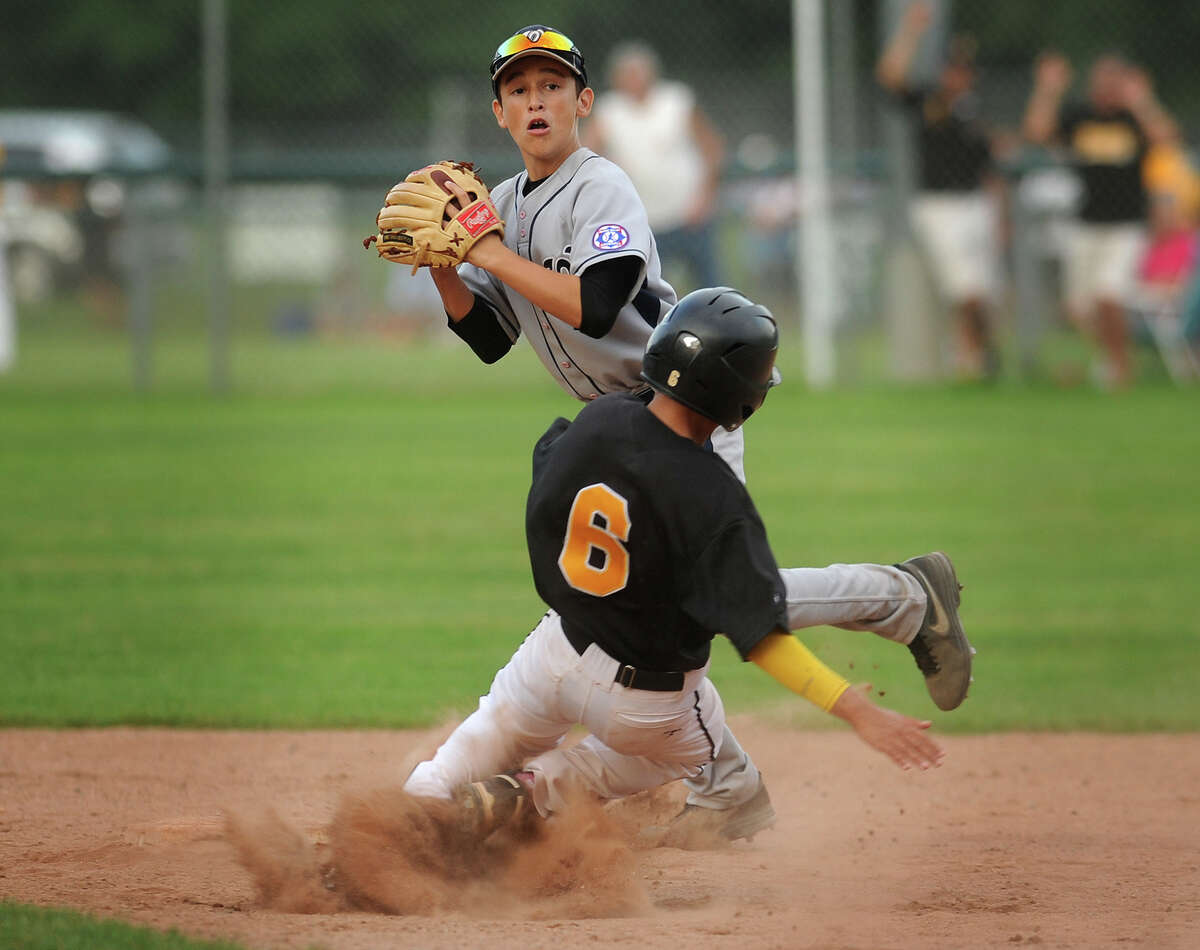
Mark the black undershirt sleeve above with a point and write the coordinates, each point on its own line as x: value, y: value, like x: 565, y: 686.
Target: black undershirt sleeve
x: 480, y: 329
x: 604, y: 288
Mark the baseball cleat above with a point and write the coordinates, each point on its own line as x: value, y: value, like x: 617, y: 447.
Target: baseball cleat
x: 749, y: 818
x: 940, y: 647
x: 486, y: 805
x: 697, y: 827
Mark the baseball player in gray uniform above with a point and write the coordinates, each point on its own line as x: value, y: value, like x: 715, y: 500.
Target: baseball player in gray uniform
x: 577, y: 273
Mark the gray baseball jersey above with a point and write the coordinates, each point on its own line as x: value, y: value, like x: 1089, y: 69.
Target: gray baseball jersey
x: 587, y: 210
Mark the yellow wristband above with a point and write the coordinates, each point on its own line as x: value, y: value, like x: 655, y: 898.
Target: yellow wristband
x: 791, y: 663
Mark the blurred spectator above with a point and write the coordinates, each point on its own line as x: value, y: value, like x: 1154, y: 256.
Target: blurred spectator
x: 409, y: 305
x: 768, y: 244
x: 1170, y: 257
x: 1168, y: 171
x: 953, y: 216
x: 101, y: 223
x: 655, y: 131
x: 1167, y: 285
x: 1107, y: 138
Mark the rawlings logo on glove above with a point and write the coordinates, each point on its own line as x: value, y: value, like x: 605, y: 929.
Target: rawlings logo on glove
x: 424, y: 221
x: 480, y: 218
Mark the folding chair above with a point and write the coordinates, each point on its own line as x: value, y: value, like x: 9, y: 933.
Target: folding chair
x: 1173, y: 322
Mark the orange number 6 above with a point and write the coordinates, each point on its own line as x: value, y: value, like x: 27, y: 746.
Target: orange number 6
x: 594, y: 558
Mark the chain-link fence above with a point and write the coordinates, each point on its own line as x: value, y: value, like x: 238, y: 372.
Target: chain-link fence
x: 102, y: 131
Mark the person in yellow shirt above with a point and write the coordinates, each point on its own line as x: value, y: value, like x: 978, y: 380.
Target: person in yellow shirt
x: 1107, y: 138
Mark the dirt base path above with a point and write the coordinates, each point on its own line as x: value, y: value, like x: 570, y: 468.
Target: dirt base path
x: 1079, y: 841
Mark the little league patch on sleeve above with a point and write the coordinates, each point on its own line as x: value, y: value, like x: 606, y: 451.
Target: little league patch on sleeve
x: 610, y: 237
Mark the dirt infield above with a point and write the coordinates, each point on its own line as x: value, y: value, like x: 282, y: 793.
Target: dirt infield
x: 1078, y: 841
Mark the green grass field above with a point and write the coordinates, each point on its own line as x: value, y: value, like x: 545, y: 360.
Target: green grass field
x: 38, y: 928
x: 340, y: 542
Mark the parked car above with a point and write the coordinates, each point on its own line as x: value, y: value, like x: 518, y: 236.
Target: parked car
x: 80, y: 143
x: 64, y: 190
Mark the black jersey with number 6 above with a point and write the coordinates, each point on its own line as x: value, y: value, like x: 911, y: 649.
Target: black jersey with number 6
x: 645, y: 543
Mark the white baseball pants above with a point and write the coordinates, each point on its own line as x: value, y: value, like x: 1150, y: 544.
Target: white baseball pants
x: 639, y: 739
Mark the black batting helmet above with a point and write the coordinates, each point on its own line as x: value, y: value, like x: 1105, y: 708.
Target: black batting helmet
x: 715, y: 353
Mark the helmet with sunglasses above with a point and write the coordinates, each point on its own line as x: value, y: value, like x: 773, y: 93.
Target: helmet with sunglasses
x: 537, y: 40
x: 715, y: 353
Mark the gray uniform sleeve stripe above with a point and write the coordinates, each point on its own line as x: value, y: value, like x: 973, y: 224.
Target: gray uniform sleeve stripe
x: 622, y: 252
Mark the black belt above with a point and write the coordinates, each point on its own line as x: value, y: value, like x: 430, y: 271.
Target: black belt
x: 628, y: 676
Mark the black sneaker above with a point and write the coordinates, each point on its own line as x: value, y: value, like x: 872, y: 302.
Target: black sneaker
x: 940, y: 647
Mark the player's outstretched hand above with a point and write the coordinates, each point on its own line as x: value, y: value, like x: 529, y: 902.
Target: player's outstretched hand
x: 901, y: 738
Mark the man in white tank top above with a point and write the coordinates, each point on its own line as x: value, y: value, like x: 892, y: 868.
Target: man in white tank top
x: 654, y: 130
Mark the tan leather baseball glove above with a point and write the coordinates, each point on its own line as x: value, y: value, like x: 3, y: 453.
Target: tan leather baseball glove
x: 425, y: 223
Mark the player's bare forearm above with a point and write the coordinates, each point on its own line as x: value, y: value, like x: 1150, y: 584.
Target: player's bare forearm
x: 456, y: 296
x: 1052, y: 75
x: 892, y: 69
x: 901, y: 738
x: 1041, y: 117
x: 712, y: 150
x: 712, y: 145
x: 554, y: 292
x: 1138, y: 93
x: 1155, y: 121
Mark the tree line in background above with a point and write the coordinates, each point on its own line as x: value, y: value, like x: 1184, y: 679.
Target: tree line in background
x: 315, y: 61
x: 311, y: 59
